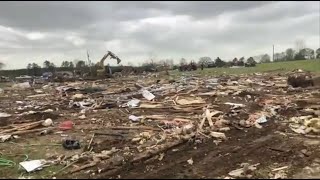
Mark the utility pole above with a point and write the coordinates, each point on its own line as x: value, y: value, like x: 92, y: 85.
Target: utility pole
x: 272, y: 53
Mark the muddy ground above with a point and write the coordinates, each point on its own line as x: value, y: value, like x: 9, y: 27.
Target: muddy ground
x: 273, y: 146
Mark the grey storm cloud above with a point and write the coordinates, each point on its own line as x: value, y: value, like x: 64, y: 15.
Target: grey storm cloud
x: 135, y: 31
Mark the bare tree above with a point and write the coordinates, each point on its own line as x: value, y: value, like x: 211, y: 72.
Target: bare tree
x: 183, y: 61
x: 279, y: 57
x: 169, y: 62
x: 300, y: 44
x: 265, y: 58
x: 205, y: 61
x: 289, y: 54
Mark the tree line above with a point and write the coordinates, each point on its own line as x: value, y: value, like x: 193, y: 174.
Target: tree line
x: 301, y: 53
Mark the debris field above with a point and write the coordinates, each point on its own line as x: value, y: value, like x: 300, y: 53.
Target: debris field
x: 228, y: 126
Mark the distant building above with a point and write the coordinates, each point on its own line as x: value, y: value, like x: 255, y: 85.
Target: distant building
x: 68, y: 74
x: 23, y: 78
x: 47, y: 75
x: 4, y: 79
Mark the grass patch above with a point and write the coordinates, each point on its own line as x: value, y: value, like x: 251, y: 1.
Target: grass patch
x: 18, y: 154
x: 308, y: 65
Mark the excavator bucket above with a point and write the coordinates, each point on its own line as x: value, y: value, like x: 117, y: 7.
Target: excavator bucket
x: 118, y: 60
x: 113, y: 56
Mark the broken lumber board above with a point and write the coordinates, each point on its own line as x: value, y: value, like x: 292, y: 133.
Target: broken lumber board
x: 108, y: 134
x: 135, y: 127
x: 161, y: 117
x: 24, y: 127
x: 202, y: 123
x: 29, y: 131
x: 93, y: 163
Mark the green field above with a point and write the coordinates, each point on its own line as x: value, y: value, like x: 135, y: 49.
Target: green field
x: 307, y: 65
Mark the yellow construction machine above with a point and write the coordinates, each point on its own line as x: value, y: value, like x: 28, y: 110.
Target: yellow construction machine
x: 101, y: 71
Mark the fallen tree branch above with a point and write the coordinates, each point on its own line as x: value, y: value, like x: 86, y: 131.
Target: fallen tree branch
x: 160, y: 149
x: 135, y: 127
x: 93, y: 163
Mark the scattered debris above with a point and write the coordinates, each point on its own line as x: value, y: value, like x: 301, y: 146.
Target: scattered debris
x: 33, y: 165
x: 133, y: 103
x: 22, y: 86
x: 280, y: 175
x: 134, y: 118
x: 218, y: 135
x: 71, y: 144
x: 280, y: 168
x: 235, y: 105
x: 305, y: 124
x: 300, y: 80
x: 191, y: 100
x: 190, y: 161
x: 4, y: 115
x: 243, y: 172
x: 4, y: 138
x: 148, y: 95
x: 77, y: 97
x: 262, y: 119
x: 66, y: 125
x: 47, y: 122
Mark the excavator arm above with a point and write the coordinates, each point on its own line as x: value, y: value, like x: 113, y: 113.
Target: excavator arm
x: 101, y: 62
x: 112, y: 56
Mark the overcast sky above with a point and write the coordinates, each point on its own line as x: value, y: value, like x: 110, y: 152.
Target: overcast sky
x: 136, y: 31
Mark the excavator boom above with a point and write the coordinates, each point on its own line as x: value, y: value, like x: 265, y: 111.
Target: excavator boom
x: 101, y: 63
x: 113, y: 56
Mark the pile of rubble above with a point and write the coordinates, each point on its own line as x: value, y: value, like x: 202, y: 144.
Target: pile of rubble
x: 114, y: 123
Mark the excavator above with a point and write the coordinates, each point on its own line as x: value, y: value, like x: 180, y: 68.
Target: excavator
x: 101, y: 71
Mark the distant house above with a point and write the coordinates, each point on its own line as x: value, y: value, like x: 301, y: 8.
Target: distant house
x: 68, y: 74
x: 47, y: 75
x: 23, y: 78
x: 4, y: 79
